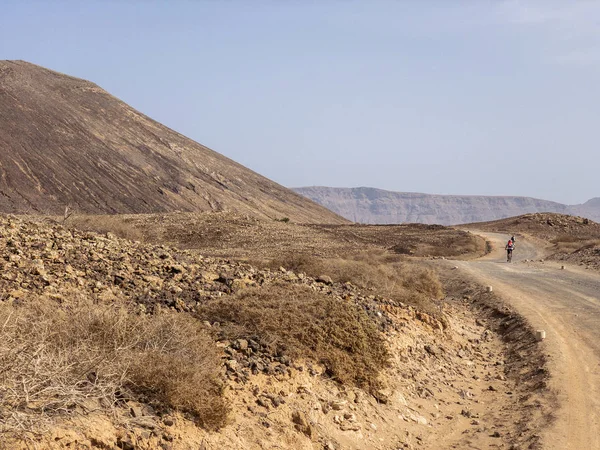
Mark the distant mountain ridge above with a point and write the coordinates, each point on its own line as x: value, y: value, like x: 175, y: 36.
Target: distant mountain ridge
x: 65, y: 141
x: 378, y: 206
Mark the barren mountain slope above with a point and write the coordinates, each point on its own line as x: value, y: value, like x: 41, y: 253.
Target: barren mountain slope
x: 369, y: 205
x: 65, y: 141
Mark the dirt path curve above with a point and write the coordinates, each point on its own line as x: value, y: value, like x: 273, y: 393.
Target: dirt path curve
x: 566, y: 304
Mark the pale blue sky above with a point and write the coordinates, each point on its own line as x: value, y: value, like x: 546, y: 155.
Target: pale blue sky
x: 447, y: 97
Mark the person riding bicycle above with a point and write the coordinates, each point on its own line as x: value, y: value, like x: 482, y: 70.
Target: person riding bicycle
x: 510, y: 246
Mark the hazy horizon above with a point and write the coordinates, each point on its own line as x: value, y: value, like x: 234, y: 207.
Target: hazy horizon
x: 459, y: 98
x: 434, y: 193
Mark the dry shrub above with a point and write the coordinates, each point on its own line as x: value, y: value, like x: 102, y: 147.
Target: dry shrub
x: 380, y: 272
x: 302, y: 323
x: 106, y: 223
x: 568, y: 243
x: 53, y: 359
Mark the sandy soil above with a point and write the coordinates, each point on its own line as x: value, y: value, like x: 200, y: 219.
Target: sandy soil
x: 565, y: 303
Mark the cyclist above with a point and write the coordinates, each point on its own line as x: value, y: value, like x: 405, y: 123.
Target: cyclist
x: 510, y: 246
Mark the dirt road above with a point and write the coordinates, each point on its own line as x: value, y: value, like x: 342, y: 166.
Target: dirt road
x: 566, y: 304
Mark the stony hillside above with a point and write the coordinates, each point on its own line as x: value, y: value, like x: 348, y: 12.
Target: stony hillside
x: 67, y: 142
x: 571, y: 239
x: 107, y: 343
x: 546, y: 226
x: 377, y: 206
x: 230, y: 235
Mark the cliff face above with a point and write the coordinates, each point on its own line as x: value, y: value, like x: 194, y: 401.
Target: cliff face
x: 377, y: 206
x: 65, y: 141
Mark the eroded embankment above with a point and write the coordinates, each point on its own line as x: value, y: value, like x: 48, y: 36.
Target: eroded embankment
x: 112, y: 339
x: 524, y: 404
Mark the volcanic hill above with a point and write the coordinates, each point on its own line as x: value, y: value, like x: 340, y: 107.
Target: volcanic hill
x: 65, y: 141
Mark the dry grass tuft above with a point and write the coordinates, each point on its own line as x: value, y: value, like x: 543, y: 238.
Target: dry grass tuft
x: 106, y: 223
x: 54, y: 359
x: 380, y: 272
x: 302, y: 323
x: 567, y: 243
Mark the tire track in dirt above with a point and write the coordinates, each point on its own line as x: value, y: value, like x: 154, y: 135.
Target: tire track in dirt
x: 566, y: 304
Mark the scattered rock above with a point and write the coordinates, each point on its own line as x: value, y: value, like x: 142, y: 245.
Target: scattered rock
x: 240, y: 344
x: 301, y: 423
x: 125, y: 443
x: 324, y: 279
x: 432, y: 350
x: 136, y: 411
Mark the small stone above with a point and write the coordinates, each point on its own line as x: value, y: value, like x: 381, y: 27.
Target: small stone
x: 17, y: 294
x: 231, y: 364
x: 350, y: 417
x: 136, y: 411
x: 240, y: 344
x: 432, y: 350
x: 144, y: 422
x: 277, y: 400
x: 261, y: 401
x: 339, y: 405
x: 383, y: 395
x: 347, y: 426
x: 146, y: 435
x: 421, y: 420
x: 176, y: 268
x: 324, y: 279
x: 301, y: 423
x: 125, y: 443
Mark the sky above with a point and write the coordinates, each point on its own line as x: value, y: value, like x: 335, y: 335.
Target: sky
x: 481, y: 97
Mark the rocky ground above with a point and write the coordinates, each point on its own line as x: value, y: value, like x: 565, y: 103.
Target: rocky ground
x: 231, y: 235
x: 461, y: 378
x: 546, y: 226
x: 587, y: 256
x: 571, y: 239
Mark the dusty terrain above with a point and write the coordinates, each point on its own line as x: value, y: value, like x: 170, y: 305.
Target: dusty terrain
x: 566, y: 304
x: 238, y: 236
x: 67, y: 142
x: 572, y: 239
x: 535, y: 289
x: 452, y: 380
x: 378, y: 206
